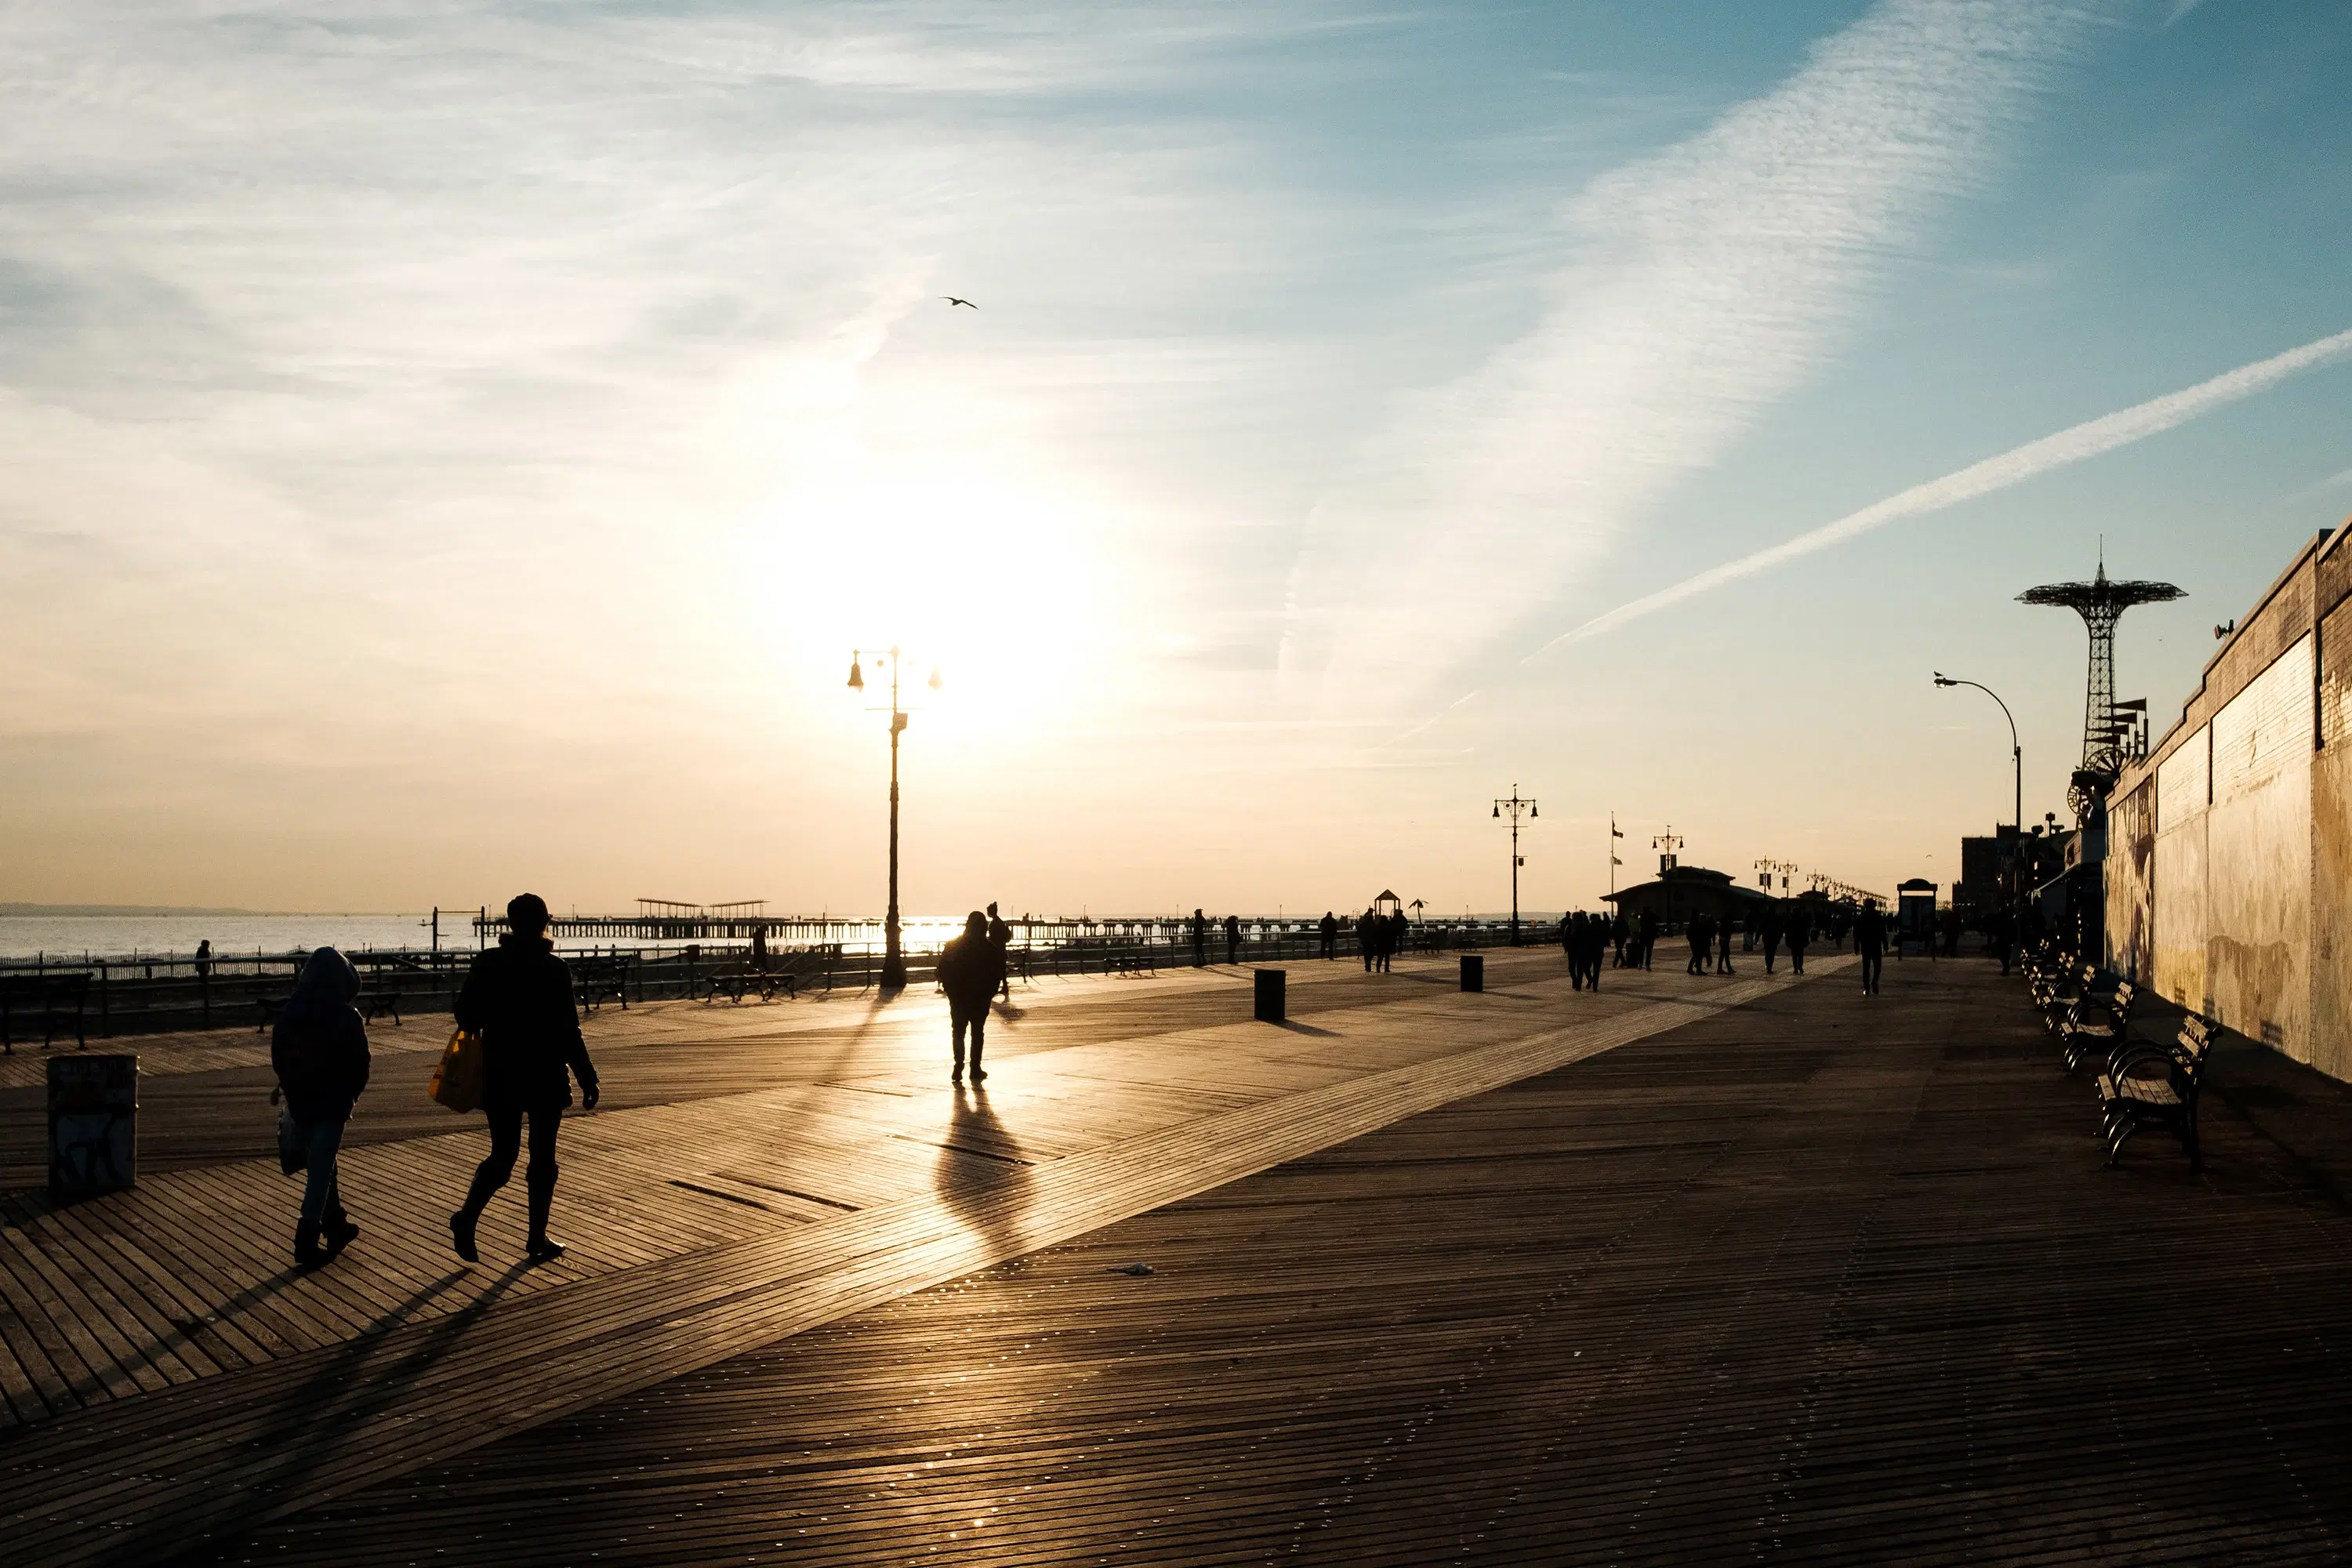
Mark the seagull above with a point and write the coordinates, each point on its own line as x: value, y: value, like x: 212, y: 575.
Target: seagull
x: 953, y: 302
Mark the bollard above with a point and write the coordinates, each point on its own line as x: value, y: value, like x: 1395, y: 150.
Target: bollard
x: 1271, y: 985
x: 1474, y: 972
x: 93, y: 1126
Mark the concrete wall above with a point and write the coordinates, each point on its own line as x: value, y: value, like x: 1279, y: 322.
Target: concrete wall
x: 2240, y: 905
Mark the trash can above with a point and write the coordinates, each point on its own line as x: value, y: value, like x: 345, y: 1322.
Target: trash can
x: 1271, y: 985
x: 93, y: 1125
x: 1474, y: 972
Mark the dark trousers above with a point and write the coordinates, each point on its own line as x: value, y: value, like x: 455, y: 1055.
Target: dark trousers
x: 1796, y: 958
x: 1872, y: 960
x: 1771, y: 953
x: 976, y: 1020
x: 538, y: 1177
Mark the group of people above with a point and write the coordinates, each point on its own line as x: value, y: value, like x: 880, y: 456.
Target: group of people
x: 516, y: 1001
x: 1380, y: 938
x: 1585, y: 938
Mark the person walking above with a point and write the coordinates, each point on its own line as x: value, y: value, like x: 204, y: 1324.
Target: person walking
x: 1618, y: 929
x: 1870, y: 941
x: 1768, y: 922
x: 1000, y: 937
x: 1723, y: 944
x: 1399, y: 934
x: 1596, y: 947
x: 1368, y: 942
x: 1646, y: 931
x: 1572, y: 944
x: 1199, y: 939
x: 971, y: 969
x: 518, y: 1001
x: 1701, y: 935
x: 1232, y: 939
x: 319, y: 1052
x: 1328, y: 929
x: 1799, y: 929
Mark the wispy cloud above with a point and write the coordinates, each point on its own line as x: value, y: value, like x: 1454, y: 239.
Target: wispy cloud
x: 2016, y: 466
x: 1700, y: 285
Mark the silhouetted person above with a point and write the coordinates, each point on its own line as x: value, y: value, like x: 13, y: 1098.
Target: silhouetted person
x: 517, y: 1002
x: 1618, y: 931
x: 758, y: 950
x: 1572, y: 945
x: 1768, y: 928
x: 1199, y: 939
x: 1701, y: 935
x: 204, y: 959
x: 1997, y: 936
x: 1328, y: 929
x: 1399, y: 935
x: 319, y: 1051
x: 1000, y: 937
x: 1646, y: 928
x: 971, y: 969
x: 1595, y: 943
x: 1232, y: 939
x: 1870, y: 941
x: 1368, y: 940
x: 1800, y: 930
x: 1723, y: 944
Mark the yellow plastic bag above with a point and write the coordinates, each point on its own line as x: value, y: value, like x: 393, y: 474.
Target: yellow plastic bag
x: 458, y: 1081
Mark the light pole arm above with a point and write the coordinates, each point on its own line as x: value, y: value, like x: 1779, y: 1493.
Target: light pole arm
x: 2016, y: 752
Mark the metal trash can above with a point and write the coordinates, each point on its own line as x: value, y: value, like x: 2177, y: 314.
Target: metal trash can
x: 1273, y: 986
x: 93, y: 1125
x: 1474, y: 972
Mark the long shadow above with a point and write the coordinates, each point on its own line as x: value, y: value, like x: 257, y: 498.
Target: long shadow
x: 983, y: 1174
x: 334, y: 1402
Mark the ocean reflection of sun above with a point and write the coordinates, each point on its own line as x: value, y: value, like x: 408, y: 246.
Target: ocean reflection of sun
x: 998, y: 590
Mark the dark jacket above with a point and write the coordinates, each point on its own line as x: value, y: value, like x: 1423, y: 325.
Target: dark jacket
x: 518, y: 999
x: 971, y: 969
x: 319, y: 1047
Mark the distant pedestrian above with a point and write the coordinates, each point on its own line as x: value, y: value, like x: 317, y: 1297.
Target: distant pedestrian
x: 1723, y: 944
x: 1399, y: 934
x: 518, y: 1001
x: 1232, y: 939
x: 1000, y: 937
x: 1701, y: 933
x: 1328, y: 929
x: 1998, y: 929
x: 1799, y: 929
x: 1199, y: 939
x: 1594, y: 941
x: 1618, y: 931
x: 1646, y: 934
x: 1572, y: 946
x: 1367, y: 939
x: 204, y: 959
x: 1768, y: 922
x: 1870, y: 941
x: 319, y: 1052
x: 971, y: 967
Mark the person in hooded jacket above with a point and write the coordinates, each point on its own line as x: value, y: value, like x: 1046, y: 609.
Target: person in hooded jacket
x: 517, y: 1000
x: 971, y: 968
x: 319, y: 1051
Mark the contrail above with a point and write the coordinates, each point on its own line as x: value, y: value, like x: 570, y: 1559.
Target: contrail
x: 2014, y: 467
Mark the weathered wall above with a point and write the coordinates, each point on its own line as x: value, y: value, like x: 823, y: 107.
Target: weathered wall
x: 2258, y: 858
x: 2178, y: 880
x: 2244, y: 906
x: 2131, y: 883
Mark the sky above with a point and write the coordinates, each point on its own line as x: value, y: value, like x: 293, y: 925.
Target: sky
x: 447, y: 449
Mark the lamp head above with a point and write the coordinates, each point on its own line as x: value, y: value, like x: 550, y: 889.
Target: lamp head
x: 1498, y: 808
x: 1943, y: 679
x: 856, y: 676
x: 1532, y: 812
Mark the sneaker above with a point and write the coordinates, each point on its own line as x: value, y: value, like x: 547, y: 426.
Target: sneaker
x: 340, y: 1234
x: 461, y: 1236
x: 542, y: 1250
x: 978, y: 1076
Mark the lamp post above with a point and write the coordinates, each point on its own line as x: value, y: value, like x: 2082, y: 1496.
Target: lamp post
x: 2016, y: 754
x: 1516, y: 808
x: 894, y: 958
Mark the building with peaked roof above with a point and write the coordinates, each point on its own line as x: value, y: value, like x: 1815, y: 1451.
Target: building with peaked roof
x: 1681, y: 892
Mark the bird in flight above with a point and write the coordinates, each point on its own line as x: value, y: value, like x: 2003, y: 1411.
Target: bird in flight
x: 953, y: 302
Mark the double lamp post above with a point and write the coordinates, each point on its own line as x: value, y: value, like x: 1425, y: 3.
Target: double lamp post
x: 893, y: 957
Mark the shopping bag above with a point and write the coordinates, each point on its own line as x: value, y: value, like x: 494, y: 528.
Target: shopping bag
x: 293, y: 1149
x: 458, y: 1081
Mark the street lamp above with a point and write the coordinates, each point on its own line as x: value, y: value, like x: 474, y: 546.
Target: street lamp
x: 894, y: 958
x: 2016, y: 754
x: 1516, y: 808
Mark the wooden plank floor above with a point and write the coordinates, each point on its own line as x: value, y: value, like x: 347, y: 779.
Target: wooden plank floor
x: 215, y: 1381
x: 1821, y: 1280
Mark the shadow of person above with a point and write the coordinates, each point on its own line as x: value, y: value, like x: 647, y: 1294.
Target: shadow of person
x: 983, y: 1174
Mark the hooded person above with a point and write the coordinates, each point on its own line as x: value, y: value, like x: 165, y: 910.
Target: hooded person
x: 971, y: 969
x: 319, y: 1052
x: 517, y: 1000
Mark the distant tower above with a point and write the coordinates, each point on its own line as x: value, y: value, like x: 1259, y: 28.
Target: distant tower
x: 2101, y: 604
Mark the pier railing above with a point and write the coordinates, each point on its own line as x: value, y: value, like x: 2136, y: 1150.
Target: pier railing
x: 152, y: 992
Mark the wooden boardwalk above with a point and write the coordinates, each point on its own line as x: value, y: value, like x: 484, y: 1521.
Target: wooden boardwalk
x: 1815, y: 1281
x: 173, y: 1377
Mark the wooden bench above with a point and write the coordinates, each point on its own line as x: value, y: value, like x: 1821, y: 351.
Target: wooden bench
x: 741, y: 982
x: 2150, y: 1084
x: 375, y: 1003
x: 56, y: 999
x: 595, y: 981
x: 2059, y: 995
x: 2098, y: 1021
